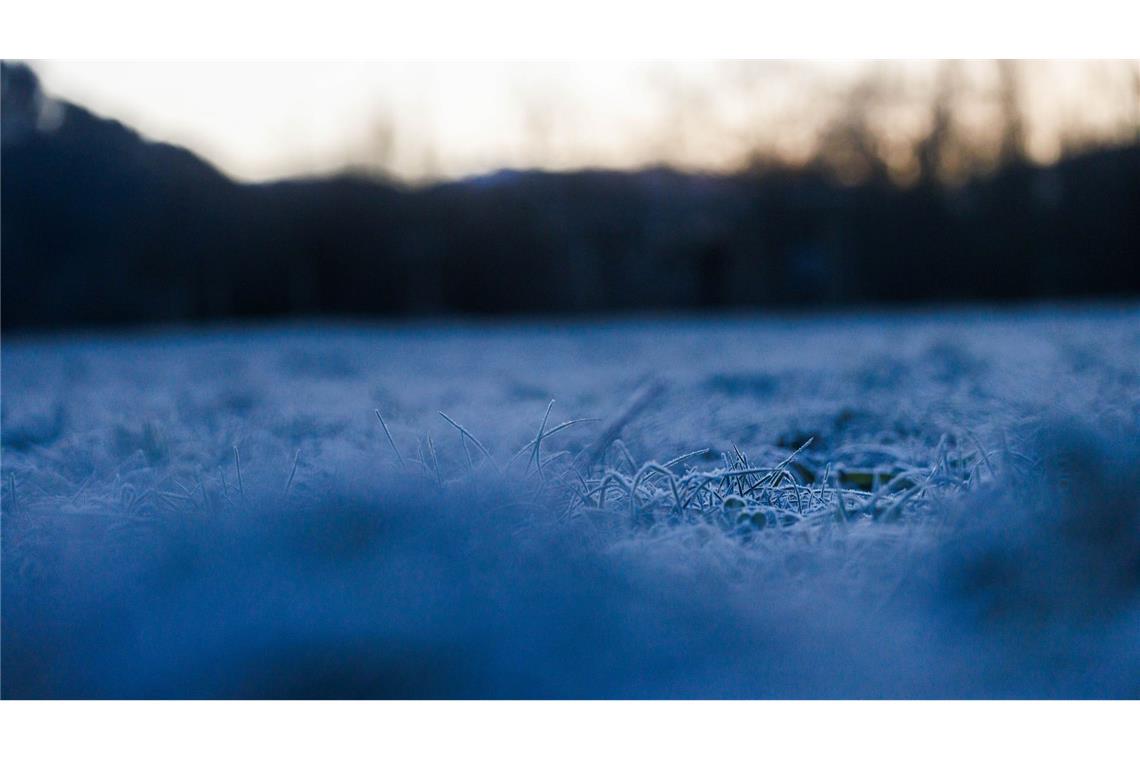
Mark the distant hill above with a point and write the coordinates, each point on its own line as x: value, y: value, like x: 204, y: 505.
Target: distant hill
x: 100, y: 226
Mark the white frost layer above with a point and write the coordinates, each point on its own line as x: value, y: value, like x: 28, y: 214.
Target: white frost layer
x: 137, y: 562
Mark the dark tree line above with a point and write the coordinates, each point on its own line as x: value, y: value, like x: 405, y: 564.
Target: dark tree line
x: 100, y: 226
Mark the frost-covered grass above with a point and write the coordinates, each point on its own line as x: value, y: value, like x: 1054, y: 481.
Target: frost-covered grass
x: 934, y: 504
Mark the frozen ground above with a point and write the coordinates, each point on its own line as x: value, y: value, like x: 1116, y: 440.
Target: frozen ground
x: 925, y: 504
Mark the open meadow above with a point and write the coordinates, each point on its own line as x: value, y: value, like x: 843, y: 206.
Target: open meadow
x: 939, y: 503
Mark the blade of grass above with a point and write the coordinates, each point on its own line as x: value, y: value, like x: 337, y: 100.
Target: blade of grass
x: 465, y: 432
x: 391, y: 441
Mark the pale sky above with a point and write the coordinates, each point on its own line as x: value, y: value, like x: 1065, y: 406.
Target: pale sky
x: 260, y: 121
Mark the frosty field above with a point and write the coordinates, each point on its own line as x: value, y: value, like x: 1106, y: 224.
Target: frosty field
x: 921, y: 504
